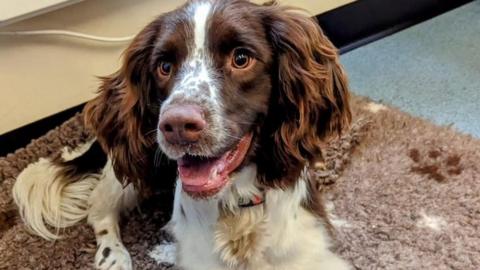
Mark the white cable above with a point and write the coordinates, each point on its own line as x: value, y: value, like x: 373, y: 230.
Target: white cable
x: 67, y: 33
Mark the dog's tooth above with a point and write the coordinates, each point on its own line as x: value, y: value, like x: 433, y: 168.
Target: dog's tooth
x: 214, y: 172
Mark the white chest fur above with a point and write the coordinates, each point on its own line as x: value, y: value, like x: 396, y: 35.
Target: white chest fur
x: 278, y: 234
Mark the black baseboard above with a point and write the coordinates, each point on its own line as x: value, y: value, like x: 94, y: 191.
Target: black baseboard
x: 364, y: 21
x: 20, y: 137
x: 349, y: 27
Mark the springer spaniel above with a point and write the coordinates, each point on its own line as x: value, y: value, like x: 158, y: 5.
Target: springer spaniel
x: 241, y: 98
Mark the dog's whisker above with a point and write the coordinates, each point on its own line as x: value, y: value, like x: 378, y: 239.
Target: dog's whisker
x: 238, y: 122
x: 157, y: 156
x: 232, y: 136
x: 153, y: 131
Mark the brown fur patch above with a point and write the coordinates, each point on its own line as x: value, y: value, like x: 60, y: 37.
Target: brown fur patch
x: 106, y: 252
x: 89, y: 163
x: 237, y: 235
x: 125, y: 111
x: 102, y: 232
x: 312, y: 95
x: 314, y: 204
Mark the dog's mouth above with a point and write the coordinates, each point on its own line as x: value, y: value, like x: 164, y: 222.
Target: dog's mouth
x: 205, y: 176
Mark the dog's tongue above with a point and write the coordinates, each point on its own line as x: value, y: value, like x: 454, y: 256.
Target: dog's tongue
x: 199, y: 172
x: 206, y: 174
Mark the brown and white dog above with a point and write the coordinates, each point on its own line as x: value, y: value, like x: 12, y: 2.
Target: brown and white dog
x: 240, y: 97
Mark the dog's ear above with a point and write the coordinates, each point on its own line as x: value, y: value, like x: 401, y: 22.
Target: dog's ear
x: 310, y: 97
x: 121, y: 117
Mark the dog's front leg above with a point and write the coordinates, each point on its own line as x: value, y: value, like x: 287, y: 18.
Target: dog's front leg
x: 107, y: 201
x: 111, y: 254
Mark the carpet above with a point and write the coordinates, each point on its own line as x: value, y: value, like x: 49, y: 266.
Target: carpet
x: 401, y: 192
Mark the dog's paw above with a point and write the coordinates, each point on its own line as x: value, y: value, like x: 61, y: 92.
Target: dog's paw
x: 113, y: 257
x: 334, y: 262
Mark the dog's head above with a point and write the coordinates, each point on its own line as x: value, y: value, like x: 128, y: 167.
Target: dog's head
x: 221, y: 84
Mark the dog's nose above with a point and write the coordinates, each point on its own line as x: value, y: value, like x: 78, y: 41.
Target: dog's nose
x: 182, y: 124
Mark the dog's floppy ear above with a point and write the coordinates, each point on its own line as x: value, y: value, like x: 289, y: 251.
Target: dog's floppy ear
x: 310, y: 97
x: 120, y: 116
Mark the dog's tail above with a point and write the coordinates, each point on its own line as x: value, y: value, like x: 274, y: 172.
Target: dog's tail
x: 52, y: 194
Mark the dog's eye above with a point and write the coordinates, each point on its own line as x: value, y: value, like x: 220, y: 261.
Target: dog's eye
x: 165, y: 68
x: 241, y: 59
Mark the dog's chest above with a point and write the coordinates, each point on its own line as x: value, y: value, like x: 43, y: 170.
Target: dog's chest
x: 265, y: 236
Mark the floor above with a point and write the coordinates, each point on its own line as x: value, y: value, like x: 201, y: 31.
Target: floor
x: 430, y: 70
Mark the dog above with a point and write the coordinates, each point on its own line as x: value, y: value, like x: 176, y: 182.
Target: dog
x: 241, y: 98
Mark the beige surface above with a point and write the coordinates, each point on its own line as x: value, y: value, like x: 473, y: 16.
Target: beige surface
x: 15, y: 10
x: 41, y: 76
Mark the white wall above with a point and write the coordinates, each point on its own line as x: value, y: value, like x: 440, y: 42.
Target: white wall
x: 40, y: 76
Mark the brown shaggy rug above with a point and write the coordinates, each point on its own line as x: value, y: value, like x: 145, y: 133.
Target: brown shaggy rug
x: 402, y: 194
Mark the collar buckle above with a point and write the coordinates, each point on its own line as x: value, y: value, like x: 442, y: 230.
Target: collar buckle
x: 251, y: 202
